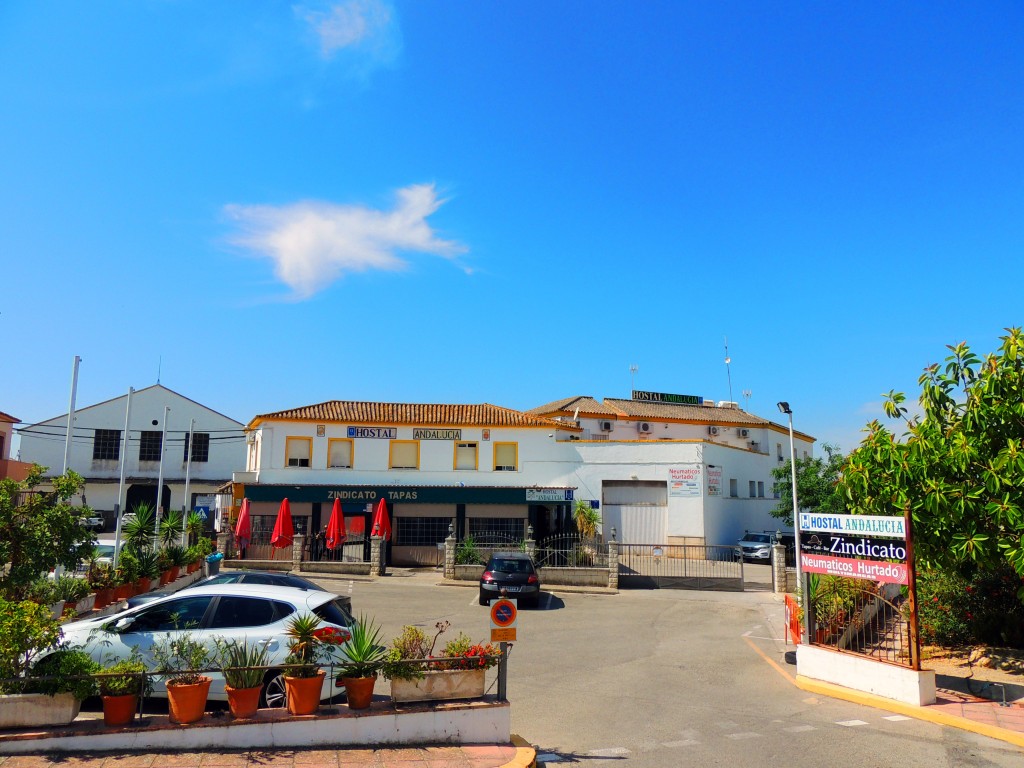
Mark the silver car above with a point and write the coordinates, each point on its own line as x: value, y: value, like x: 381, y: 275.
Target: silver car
x: 756, y: 547
x: 257, y: 613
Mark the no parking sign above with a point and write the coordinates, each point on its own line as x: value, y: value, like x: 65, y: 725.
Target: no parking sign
x: 503, y: 620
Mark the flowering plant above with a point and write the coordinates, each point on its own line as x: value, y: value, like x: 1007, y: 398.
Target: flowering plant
x: 311, y: 644
x: 411, y: 654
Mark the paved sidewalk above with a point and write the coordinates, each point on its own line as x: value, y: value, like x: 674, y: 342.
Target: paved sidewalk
x: 460, y: 756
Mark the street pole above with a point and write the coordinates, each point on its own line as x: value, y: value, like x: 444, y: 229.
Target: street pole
x: 119, y: 507
x: 160, y: 477
x: 188, y: 472
x: 71, y: 412
x: 808, y: 608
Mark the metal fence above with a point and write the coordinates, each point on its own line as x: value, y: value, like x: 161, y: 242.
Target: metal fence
x: 354, y: 549
x: 862, y: 620
x: 571, y: 551
x: 680, y: 566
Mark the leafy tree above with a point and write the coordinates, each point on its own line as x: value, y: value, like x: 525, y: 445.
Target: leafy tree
x: 817, y: 481
x: 959, y: 467
x: 40, y: 530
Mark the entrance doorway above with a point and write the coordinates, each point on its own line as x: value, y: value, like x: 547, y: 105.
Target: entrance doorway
x: 146, y: 494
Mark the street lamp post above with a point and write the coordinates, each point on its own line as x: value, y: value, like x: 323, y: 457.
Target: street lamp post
x: 805, y: 631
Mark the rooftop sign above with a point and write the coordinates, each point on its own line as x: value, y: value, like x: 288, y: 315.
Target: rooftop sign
x: 664, y: 397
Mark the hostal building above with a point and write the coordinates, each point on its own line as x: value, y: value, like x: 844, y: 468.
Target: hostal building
x: 481, y: 468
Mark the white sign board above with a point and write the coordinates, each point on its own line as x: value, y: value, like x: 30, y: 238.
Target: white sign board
x: 855, y: 525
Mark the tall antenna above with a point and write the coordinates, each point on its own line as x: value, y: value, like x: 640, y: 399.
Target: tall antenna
x: 727, y: 371
x: 159, y: 365
x: 633, y: 368
x: 746, y: 399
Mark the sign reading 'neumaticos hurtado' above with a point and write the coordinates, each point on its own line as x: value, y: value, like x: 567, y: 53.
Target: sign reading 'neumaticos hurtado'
x: 847, y: 545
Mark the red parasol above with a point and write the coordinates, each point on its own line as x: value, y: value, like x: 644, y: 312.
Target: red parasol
x: 381, y: 522
x: 243, y: 528
x: 283, y: 530
x: 336, y: 527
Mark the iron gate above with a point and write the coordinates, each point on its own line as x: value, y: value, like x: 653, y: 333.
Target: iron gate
x: 680, y: 566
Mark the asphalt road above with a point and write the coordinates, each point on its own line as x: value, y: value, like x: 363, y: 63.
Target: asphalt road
x: 670, y: 678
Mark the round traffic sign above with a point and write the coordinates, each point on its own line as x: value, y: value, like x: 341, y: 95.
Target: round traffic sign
x: 503, y: 613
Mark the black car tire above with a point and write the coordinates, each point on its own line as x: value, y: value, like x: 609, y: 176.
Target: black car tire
x: 273, y: 694
x: 485, y: 599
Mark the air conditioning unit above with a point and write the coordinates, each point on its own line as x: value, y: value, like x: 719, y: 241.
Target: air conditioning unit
x: 606, y: 426
x: 643, y: 427
x: 712, y: 430
x: 743, y: 432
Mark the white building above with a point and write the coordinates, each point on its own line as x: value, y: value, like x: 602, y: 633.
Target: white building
x: 97, y: 449
x: 477, y: 467
x: 660, y: 471
x: 674, y: 469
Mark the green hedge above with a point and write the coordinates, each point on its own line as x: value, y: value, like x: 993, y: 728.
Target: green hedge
x: 978, y: 609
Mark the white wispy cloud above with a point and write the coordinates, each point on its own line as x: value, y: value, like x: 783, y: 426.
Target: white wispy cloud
x: 365, y: 24
x: 313, y: 244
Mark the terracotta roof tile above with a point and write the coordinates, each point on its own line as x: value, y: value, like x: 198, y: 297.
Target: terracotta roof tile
x: 588, y: 407
x: 420, y: 414
x: 12, y: 420
x: 702, y: 414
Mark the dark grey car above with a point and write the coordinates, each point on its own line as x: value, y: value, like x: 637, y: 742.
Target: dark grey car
x: 515, y: 573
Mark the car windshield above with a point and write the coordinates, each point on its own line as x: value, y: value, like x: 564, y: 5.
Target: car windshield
x: 506, y: 565
x: 760, y: 538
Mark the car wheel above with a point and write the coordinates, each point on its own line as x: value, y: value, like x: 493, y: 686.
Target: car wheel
x: 484, y: 599
x: 273, y: 695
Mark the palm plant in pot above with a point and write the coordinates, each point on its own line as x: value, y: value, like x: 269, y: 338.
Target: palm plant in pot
x: 243, y: 666
x: 120, y: 685
x: 310, y: 645
x: 180, y: 661
x: 362, y: 660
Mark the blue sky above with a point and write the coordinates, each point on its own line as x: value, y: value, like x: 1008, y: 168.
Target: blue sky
x: 284, y: 203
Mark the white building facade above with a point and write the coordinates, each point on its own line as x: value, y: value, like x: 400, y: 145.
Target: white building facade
x: 204, y: 460
x: 675, y: 469
x: 660, y: 471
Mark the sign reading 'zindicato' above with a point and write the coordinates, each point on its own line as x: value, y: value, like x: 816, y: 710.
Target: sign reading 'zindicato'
x: 855, y: 525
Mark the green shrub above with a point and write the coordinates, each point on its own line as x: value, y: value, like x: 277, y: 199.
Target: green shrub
x: 70, y: 670
x: 980, y: 608
x: 26, y: 630
x: 125, y: 678
x: 467, y: 552
x: 71, y: 589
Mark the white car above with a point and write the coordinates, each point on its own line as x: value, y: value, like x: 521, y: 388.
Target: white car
x: 257, y: 613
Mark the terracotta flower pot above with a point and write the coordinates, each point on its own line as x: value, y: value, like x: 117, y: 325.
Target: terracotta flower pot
x: 243, y: 701
x: 304, y: 693
x: 165, y: 576
x: 359, y: 691
x: 142, y: 585
x: 175, y: 570
x: 121, y: 592
x: 119, y: 710
x: 187, y: 703
x: 102, y: 598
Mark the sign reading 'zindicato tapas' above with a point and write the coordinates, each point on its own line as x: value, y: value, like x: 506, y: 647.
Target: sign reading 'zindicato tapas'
x: 855, y: 525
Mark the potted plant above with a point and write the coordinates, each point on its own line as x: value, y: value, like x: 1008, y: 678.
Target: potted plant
x: 27, y: 630
x: 101, y: 581
x: 363, y: 656
x: 309, y: 645
x: 177, y: 557
x: 65, y: 677
x: 120, y: 685
x: 148, y: 569
x: 180, y: 661
x: 166, y: 565
x: 44, y: 592
x: 125, y: 574
x: 417, y: 675
x: 75, y: 593
x: 243, y: 666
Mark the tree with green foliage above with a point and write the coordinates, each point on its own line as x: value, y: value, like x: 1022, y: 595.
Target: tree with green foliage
x: 817, y: 480
x: 40, y: 530
x: 586, y: 518
x: 959, y: 467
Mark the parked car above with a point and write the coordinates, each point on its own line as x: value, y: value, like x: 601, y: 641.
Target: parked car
x: 94, y: 522
x: 514, y: 572
x: 756, y: 547
x: 242, y: 577
x: 254, y: 612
